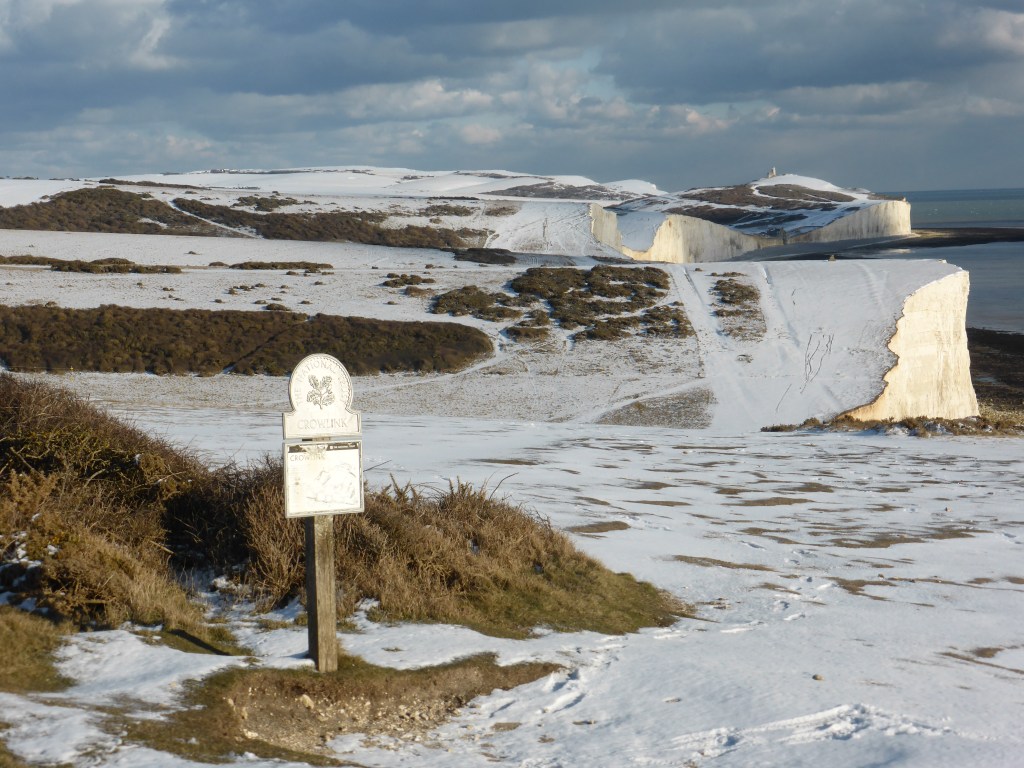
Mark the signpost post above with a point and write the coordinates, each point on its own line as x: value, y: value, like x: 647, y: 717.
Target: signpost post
x: 323, y: 477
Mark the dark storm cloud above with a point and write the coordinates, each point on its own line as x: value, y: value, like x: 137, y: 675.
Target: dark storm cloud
x: 412, y: 15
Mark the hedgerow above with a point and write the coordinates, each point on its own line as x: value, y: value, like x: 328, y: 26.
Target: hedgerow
x: 122, y: 339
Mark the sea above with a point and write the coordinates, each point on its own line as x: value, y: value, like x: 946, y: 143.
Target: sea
x: 996, y: 269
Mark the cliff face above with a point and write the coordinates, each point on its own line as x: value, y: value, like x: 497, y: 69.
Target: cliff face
x: 932, y: 372
x: 885, y: 219
x: 671, y: 238
x: 655, y: 235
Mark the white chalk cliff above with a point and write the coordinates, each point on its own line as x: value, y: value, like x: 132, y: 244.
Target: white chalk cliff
x: 932, y: 372
x: 723, y: 223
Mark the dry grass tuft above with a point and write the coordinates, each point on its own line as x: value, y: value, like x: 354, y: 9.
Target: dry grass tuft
x: 462, y: 557
x: 82, y: 513
x: 29, y: 643
x: 710, y: 562
x: 992, y: 422
x: 96, y: 518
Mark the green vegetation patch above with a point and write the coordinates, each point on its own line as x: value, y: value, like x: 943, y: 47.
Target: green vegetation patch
x: 461, y: 556
x: 104, y: 209
x: 331, y: 226
x: 368, y: 346
x: 84, y: 501
x: 123, y: 339
x: 495, y: 256
x: 990, y: 422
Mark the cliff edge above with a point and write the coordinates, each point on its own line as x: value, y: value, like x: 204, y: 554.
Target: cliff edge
x: 932, y: 373
x: 724, y: 223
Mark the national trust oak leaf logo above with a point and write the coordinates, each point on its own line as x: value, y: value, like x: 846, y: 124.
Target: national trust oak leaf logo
x: 321, y: 393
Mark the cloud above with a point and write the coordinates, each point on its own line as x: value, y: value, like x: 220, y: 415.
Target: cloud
x: 996, y: 30
x: 474, y: 133
x: 678, y: 91
x: 411, y: 101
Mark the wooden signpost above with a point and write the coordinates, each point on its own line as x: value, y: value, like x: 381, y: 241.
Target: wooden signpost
x: 323, y: 477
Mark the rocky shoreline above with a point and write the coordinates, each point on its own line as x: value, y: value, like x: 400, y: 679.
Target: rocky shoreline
x: 997, y: 367
x: 954, y: 236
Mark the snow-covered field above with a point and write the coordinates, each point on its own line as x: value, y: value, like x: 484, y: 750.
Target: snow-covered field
x: 823, y: 348
x: 859, y: 599
x: 860, y: 596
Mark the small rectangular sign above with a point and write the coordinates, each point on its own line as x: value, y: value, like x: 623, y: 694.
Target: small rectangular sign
x: 323, y: 477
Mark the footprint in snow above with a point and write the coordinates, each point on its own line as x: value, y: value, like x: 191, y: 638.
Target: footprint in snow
x: 744, y: 628
x: 670, y: 634
x: 564, y: 702
x: 554, y: 684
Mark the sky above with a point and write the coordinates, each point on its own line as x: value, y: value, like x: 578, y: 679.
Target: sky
x: 889, y: 95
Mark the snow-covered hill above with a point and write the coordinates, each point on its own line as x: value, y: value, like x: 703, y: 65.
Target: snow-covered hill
x: 567, y: 215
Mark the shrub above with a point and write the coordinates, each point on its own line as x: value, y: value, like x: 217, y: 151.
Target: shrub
x: 403, y: 280
x: 121, y: 339
x: 307, y: 266
x: 739, y: 306
x: 446, y: 209
x: 351, y: 226
x: 97, y: 266
x: 522, y: 332
x: 581, y: 298
x: 460, y: 556
x: 471, y: 300
x: 104, y: 209
x: 497, y: 256
x: 265, y: 204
